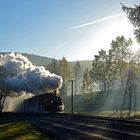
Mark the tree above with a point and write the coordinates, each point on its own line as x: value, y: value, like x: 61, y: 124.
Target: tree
x: 77, y: 76
x: 64, y: 71
x: 4, y: 93
x: 100, y: 70
x: 112, y: 66
x: 127, y: 70
x: 133, y: 15
x: 129, y: 100
x: 120, y: 53
x: 87, y: 84
x: 53, y: 66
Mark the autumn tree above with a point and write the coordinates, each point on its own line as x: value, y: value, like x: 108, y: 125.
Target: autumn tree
x: 87, y: 84
x: 120, y: 53
x: 64, y: 71
x: 53, y: 67
x: 100, y: 70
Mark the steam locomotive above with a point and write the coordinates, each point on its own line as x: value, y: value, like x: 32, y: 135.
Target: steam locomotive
x: 46, y: 102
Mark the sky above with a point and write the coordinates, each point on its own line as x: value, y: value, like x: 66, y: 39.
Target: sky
x: 76, y: 29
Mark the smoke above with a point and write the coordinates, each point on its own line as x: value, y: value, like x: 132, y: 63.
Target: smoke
x: 25, y: 79
x: 16, y: 104
x: 22, y: 75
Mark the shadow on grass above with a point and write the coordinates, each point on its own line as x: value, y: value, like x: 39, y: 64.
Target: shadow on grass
x: 15, y: 128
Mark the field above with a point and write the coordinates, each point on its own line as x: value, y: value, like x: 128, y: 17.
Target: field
x: 12, y: 128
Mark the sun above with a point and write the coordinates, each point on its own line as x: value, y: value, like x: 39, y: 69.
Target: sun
x: 118, y: 27
x: 121, y: 26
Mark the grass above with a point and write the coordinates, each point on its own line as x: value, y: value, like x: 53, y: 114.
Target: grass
x: 12, y: 129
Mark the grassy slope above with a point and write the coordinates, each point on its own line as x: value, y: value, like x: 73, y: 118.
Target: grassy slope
x: 12, y: 129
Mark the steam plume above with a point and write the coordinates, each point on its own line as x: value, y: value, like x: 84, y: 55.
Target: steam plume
x: 22, y: 75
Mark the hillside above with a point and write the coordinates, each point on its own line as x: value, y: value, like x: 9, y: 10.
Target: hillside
x: 35, y: 59
x: 38, y: 60
x: 42, y: 60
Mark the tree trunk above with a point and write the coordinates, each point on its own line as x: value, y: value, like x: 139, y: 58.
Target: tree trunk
x: 2, y: 104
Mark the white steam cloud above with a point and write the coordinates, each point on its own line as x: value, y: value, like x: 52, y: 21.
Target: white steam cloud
x: 22, y: 75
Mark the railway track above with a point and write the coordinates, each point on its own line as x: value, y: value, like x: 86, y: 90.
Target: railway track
x: 79, y: 127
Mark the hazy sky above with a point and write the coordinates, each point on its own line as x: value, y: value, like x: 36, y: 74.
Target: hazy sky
x: 76, y: 29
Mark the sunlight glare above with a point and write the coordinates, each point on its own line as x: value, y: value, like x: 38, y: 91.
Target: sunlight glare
x: 135, y: 47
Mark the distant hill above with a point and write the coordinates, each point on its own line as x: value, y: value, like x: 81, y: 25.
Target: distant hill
x: 38, y: 60
x: 42, y: 60
x: 35, y: 59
